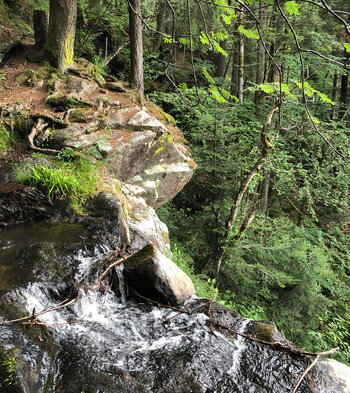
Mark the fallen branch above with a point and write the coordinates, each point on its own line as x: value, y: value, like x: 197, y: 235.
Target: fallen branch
x: 114, y: 54
x: 319, y: 355
x: 117, y: 262
x: 34, y: 316
x: 52, y: 324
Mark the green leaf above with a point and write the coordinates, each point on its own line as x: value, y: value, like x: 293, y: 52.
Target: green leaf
x: 207, y: 76
x: 249, y: 33
x: 292, y: 8
x: 216, y: 94
x: 167, y: 40
x: 267, y: 88
x: 227, y: 19
x: 183, y: 87
x: 184, y: 41
x: 204, y: 39
x: 220, y: 36
x: 219, y: 49
x: 347, y: 46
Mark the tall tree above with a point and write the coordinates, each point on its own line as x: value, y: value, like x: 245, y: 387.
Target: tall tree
x: 261, y: 55
x: 136, y: 50
x: 63, y: 15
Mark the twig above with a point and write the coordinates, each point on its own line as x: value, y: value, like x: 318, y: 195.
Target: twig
x: 305, y: 372
x: 275, y: 344
x: 52, y: 324
x: 114, y: 54
x: 319, y: 355
x: 302, y: 69
x: 36, y: 315
x: 117, y: 262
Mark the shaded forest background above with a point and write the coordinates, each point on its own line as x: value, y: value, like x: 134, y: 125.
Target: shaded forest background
x: 260, y: 90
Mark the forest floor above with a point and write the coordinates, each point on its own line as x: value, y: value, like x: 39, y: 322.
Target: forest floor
x: 11, y: 91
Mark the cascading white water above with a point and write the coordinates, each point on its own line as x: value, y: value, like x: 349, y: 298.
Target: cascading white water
x: 157, y: 345
x: 241, y: 345
x: 119, y: 270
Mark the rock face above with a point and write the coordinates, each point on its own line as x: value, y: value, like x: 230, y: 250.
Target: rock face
x: 20, y: 204
x: 157, y: 277
x: 140, y: 150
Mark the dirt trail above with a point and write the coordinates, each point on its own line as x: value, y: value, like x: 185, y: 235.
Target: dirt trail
x: 11, y: 92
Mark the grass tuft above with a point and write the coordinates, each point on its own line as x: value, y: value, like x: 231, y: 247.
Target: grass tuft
x: 77, y: 181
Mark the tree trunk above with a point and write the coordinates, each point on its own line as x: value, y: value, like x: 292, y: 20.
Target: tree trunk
x: 63, y: 14
x: 161, y: 11
x: 334, y: 95
x: 273, y: 75
x: 261, y: 55
x: 221, y: 60
x: 235, y: 66
x: 343, y: 95
x: 41, y: 28
x: 241, y: 70
x: 265, y: 192
x: 136, y: 50
x: 266, y: 150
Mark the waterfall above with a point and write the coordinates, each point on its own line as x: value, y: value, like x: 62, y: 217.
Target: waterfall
x: 119, y: 270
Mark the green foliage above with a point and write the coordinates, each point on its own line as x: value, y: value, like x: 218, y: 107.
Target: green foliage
x: 8, y: 371
x: 76, y: 180
x: 40, y: 4
x: 292, y: 7
x: 335, y: 332
x: 249, y: 33
x: 7, y: 138
x: 203, y: 285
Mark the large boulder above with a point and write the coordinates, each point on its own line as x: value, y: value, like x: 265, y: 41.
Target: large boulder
x: 141, y: 146
x: 334, y: 375
x: 155, y: 276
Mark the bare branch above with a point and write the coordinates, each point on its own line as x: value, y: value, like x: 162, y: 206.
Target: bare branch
x: 302, y: 71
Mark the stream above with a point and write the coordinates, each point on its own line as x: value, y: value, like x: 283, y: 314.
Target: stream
x: 105, y: 342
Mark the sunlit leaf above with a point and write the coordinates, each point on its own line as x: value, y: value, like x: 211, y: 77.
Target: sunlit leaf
x: 204, y: 39
x: 249, y: 33
x: 216, y: 94
x: 292, y: 8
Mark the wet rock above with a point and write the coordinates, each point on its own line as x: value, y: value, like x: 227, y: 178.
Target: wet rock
x: 107, y: 205
x: 32, y: 367
x: 265, y: 331
x: 143, y: 222
x: 20, y: 204
x: 154, y: 275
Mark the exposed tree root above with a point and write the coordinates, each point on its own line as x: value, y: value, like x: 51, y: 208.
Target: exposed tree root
x: 37, y: 129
